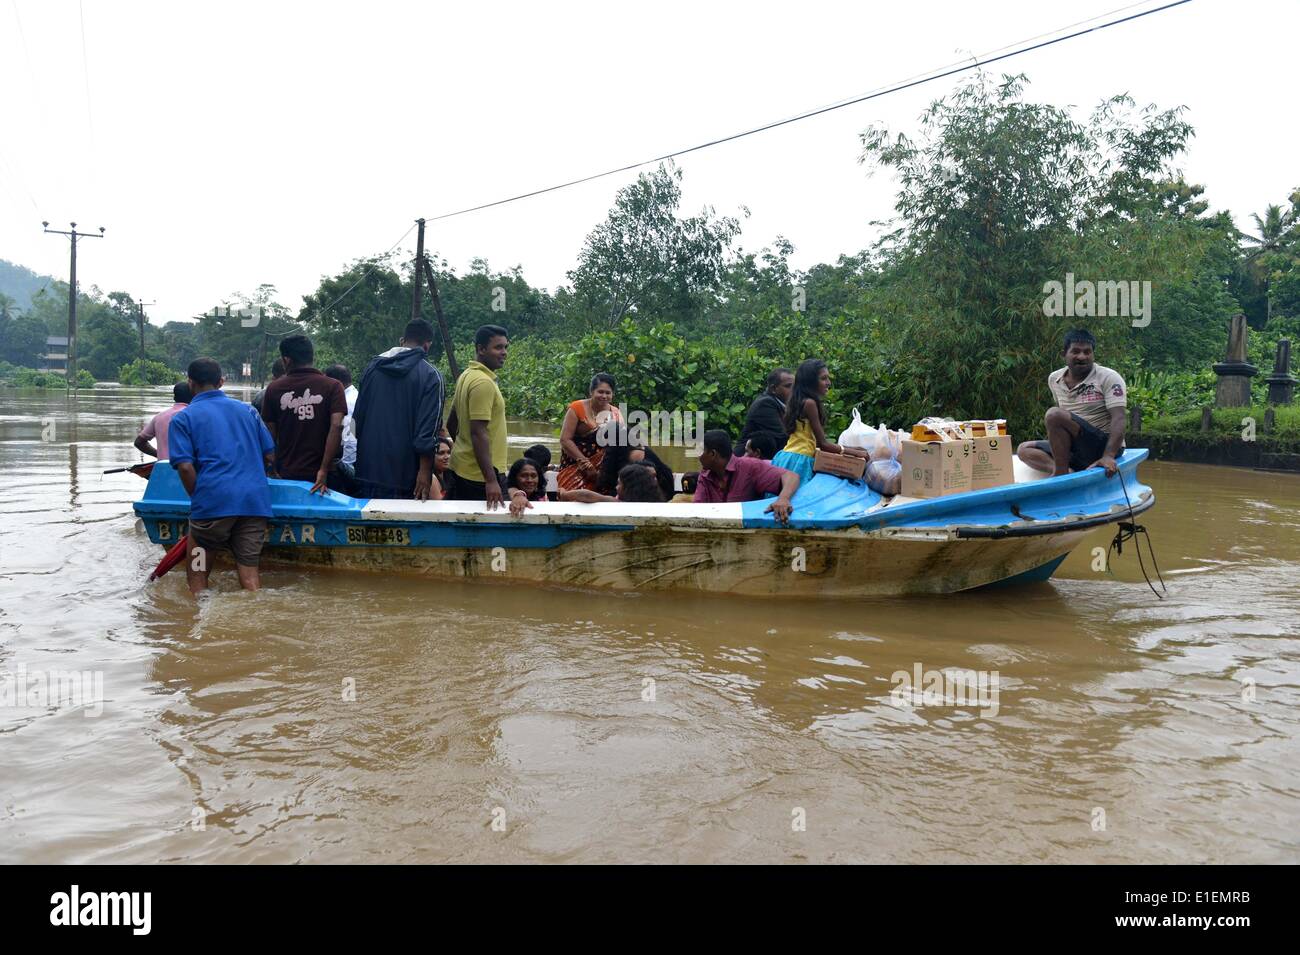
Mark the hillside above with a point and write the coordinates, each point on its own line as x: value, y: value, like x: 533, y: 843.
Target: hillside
x: 20, y: 283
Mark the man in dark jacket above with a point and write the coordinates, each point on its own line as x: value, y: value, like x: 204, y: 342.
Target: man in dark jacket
x: 398, y: 413
x: 767, y: 413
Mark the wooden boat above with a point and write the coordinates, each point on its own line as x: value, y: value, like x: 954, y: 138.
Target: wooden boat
x: 843, y: 539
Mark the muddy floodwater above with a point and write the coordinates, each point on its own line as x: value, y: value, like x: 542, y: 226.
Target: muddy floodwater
x: 337, y: 718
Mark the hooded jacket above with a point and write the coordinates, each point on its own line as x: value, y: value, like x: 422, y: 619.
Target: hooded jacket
x: 396, y: 420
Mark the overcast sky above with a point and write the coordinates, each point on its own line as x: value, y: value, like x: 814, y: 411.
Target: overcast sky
x: 232, y: 144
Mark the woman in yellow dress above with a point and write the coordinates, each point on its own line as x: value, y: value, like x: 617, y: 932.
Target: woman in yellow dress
x: 805, y: 422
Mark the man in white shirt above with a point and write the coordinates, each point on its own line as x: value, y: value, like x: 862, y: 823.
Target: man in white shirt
x: 341, y: 374
x: 1086, y: 428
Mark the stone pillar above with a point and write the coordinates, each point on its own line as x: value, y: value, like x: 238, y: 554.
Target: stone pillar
x: 1234, y: 371
x: 1281, y: 385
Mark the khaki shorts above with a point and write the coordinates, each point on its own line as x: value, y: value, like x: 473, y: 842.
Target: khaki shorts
x: 241, y: 535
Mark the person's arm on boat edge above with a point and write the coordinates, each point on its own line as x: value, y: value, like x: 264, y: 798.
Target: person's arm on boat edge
x: 332, y: 442
x: 1113, y: 444
x: 428, y: 421
x: 781, y: 508
x: 518, y: 501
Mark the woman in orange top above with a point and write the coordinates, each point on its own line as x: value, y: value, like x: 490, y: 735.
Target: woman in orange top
x: 581, y: 452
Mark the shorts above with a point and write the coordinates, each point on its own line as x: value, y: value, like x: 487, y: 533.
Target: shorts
x: 1085, y: 449
x: 463, y: 489
x: 241, y: 535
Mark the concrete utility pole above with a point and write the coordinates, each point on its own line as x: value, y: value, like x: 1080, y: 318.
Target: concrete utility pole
x: 71, y: 372
x: 139, y: 306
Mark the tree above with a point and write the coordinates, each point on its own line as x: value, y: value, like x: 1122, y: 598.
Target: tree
x: 358, y: 313
x: 22, y: 339
x: 644, y: 259
x: 997, y: 197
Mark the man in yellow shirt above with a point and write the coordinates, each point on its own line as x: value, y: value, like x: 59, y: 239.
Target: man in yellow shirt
x: 476, y: 420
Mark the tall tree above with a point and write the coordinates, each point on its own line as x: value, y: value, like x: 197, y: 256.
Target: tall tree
x: 645, y: 259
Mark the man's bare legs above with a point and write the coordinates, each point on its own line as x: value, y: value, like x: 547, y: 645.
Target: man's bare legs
x: 1061, y: 432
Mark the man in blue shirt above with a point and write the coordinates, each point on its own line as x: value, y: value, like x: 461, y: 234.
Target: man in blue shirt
x: 222, y: 451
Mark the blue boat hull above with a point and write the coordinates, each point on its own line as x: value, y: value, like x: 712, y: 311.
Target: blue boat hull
x: 842, y: 540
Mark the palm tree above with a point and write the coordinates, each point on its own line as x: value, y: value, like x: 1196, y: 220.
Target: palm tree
x: 8, y: 307
x: 1276, y: 229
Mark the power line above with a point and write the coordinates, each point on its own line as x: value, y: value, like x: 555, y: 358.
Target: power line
x: 975, y: 63
x: 368, y: 265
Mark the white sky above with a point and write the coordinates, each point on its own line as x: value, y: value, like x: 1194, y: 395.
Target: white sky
x: 246, y: 142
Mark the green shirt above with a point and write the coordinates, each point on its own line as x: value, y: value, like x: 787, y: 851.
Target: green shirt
x: 477, y: 398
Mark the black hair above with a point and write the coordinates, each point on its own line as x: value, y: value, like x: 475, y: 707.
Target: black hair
x: 774, y: 378
x: 204, y: 371
x: 181, y: 393
x: 600, y: 377
x: 512, y: 477
x: 441, y: 440
x: 764, y: 442
x: 639, y: 485
x: 418, y: 331
x: 277, y: 368
x: 486, y: 333
x: 616, y: 458
x: 690, y: 481
x: 1080, y: 335
x: 541, y: 456
x: 805, y: 387
x: 298, y: 349
x: 340, y: 374
x: 719, y: 442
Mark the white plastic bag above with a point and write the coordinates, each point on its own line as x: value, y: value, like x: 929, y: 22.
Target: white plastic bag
x: 884, y: 474
x: 858, y: 434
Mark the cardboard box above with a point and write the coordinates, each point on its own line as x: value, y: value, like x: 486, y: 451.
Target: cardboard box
x: 841, y: 465
x: 936, y: 468
x: 991, y: 462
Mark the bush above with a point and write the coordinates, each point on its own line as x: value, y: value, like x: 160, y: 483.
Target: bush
x: 31, y: 378
x: 145, y: 372
x: 85, y: 379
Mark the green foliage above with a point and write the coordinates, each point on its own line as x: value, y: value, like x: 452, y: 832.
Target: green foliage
x: 997, y: 197
x: 1163, y: 393
x: 145, y: 372
x: 31, y: 378
x: 644, y: 259
x: 85, y: 379
x: 22, y: 339
x: 1227, y: 422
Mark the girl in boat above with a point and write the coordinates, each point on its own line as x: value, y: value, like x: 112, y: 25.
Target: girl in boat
x: 581, y: 451
x: 805, y: 422
x: 442, y: 464
x: 524, y: 484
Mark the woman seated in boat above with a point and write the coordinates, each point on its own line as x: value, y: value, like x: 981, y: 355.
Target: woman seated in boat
x: 442, y: 465
x: 805, y: 422
x: 580, y: 447
x: 690, y: 481
x: 623, y: 450
x: 635, y: 483
x: 524, y: 484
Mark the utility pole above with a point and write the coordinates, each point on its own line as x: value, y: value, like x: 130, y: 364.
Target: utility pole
x: 416, y: 271
x: 141, y: 321
x: 71, y: 372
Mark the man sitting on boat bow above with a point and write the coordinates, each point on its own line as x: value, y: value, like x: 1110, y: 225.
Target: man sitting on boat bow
x: 1086, y: 428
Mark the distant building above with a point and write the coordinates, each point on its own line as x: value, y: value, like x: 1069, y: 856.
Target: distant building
x: 55, y: 358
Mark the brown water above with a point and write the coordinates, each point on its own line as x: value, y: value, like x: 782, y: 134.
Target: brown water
x: 224, y: 735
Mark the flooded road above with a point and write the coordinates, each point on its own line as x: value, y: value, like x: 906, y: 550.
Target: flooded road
x: 335, y: 718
